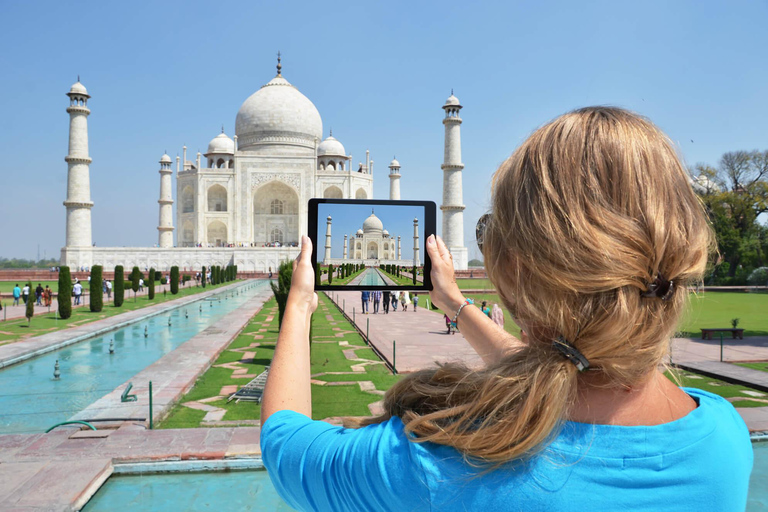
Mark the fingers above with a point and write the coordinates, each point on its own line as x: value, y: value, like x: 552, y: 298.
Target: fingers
x: 443, y: 249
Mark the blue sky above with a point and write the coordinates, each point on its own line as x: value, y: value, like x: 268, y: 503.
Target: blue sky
x: 165, y: 74
x: 348, y: 218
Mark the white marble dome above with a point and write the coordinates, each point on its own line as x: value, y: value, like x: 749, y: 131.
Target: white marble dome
x: 221, y: 144
x: 78, y: 88
x: 373, y: 225
x: 394, y: 163
x: 165, y: 159
x: 331, y: 147
x: 359, y: 231
x: 276, y: 113
x: 452, y: 101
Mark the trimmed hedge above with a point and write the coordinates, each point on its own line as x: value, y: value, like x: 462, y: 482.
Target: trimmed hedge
x: 65, y: 293
x: 151, y: 284
x: 96, y: 289
x: 174, y: 279
x: 135, y: 277
x: 119, y: 286
x: 203, y: 277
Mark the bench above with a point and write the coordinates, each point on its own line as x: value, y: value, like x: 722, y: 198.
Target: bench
x: 706, y: 334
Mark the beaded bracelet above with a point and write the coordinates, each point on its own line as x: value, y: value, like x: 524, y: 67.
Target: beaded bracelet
x: 456, y: 316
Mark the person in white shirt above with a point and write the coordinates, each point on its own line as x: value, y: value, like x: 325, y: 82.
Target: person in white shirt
x: 141, y: 285
x: 77, y: 290
x: 109, y: 289
x: 25, y: 293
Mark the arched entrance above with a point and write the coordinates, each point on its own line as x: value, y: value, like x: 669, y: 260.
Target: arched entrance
x: 333, y: 192
x: 217, y: 234
x: 373, y: 251
x: 275, y: 215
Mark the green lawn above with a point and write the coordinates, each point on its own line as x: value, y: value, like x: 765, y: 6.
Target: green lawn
x: 326, y: 357
x: 718, y: 387
x: 716, y: 309
x: 7, y: 287
x: 402, y: 280
x: 474, y: 284
x: 763, y: 367
x: 44, y: 322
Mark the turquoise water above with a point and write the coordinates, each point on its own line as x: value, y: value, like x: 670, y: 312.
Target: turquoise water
x: 372, y: 278
x: 31, y: 400
x: 758, y: 482
x: 235, y: 491
x: 245, y: 491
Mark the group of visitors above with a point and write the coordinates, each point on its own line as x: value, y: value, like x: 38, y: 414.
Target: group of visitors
x: 382, y: 300
x: 495, y: 314
x: 43, y: 296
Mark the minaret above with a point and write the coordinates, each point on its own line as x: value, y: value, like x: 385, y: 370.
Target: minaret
x: 78, y: 200
x: 398, y: 247
x: 327, y: 240
x: 165, y: 225
x: 345, y: 246
x: 453, y: 207
x: 394, y: 180
x: 416, y: 261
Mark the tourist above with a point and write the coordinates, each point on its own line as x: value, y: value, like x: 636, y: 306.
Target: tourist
x: 395, y: 300
x: 376, y: 299
x: 415, y: 301
x: 365, y: 297
x: 109, y: 290
x: 77, y: 291
x: 405, y: 300
x: 25, y: 293
x: 386, y: 298
x: 16, y: 294
x: 594, y: 237
x: 485, y: 309
x: 103, y: 286
x: 39, y: 295
x: 47, y: 295
x: 448, y: 324
x: 497, y: 315
x: 141, y: 284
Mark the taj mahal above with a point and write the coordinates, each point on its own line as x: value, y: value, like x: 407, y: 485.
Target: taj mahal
x: 244, y: 202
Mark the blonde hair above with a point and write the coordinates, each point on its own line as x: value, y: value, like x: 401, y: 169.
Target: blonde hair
x: 586, y: 213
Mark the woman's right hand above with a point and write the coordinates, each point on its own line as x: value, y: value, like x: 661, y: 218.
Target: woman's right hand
x: 445, y: 293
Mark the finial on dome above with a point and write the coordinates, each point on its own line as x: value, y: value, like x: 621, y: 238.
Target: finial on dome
x: 222, y: 128
x: 279, y: 66
x: 451, y: 91
x: 331, y: 135
x: 78, y: 78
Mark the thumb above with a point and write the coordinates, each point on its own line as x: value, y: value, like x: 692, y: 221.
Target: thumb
x: 306, y: 248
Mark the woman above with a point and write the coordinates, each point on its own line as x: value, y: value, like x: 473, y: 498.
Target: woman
x: 594, y: 235
x: 405, y: 299
x: 47, y: 296
x: 497, y: 315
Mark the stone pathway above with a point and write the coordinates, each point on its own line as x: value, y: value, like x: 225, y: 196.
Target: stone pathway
x: 409, y: 340
x: 12, y: 353
x: 63, y: 469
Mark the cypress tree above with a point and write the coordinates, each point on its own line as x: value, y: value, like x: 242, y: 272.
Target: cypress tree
x: 215, y: 274
x: 281, y: 289
x: 330, y: 274
x: 203, y: 277
x: 174, y: 279
x: 414, y: 274
x: 30, y: 311
x: 97, y: 297
x: 65, y: 293
x: 235, y: 273
x: 119, y: 286
x: 135, y: 276
x: 151, y: 284
x: 317, y: 275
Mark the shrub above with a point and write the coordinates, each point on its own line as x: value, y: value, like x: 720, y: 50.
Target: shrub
x: 186, y: 278
x: 157, y: 275
x: 119, y: 286
x: 174, y: 279
x: 203, y: 277
x: 151, y: 284
x: 65, y: 293
x: 163, y: 280
x: 97, y: 297
x: 317, y: 275
x: 414, y: 274
x: 330, y: 274
x: 135, y: 277
x: 30, y: 311
x: 281, y: 289
x: 758, y: 277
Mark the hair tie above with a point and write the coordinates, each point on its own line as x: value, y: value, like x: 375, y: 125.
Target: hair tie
x: 571, y: 353
x: 660, y: 288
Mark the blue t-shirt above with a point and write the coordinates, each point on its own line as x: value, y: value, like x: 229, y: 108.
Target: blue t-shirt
x: 700, y: 462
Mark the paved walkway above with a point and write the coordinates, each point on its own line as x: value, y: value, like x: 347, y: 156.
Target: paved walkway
x: 12, y: 353
x: 408, y: 340
x: 174, y: 374
x: 703, y: 356
x: 359, y: 279
x: 63, y: 469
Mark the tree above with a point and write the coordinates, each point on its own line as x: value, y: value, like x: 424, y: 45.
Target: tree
x: 281, y: 289
x: 30, y: 311
x: 151, y: 284
x: 174, y: 280
x: 414, y: 274
x: 65, y: 293
x: 330, y: 274
x: 119, y: 286
x: 317, y: 275
x: 96, y: 289
x: 135, y: 277
x: 203, y: 277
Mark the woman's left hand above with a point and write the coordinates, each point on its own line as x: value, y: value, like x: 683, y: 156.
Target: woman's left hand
x: 302, y: 294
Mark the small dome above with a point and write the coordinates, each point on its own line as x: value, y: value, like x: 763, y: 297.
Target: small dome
x: 359, y: 231
x: 278, y: 112
x: 329, y: 218
x: 78, y: 88
x: 385, y: 233
x: 331, y: 147
x: 373, y: 225
x: 415, y: 220
x: 165, y: 159
x: 452, y: 101
x: 221, y: 144
x: 394, y: 163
